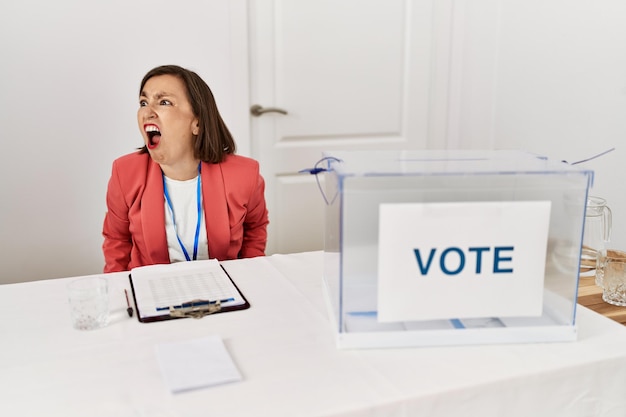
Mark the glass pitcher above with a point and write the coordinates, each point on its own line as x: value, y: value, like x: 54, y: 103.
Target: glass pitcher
x: 598, y: 219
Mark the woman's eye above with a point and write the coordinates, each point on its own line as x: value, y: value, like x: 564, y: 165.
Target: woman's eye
x: 165, y: 102
x: 143, y: 103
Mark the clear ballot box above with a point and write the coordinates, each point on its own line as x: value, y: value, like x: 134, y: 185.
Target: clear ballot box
x: 427, y: 248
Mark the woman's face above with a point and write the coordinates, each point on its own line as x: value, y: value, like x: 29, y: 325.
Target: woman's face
x: 166, y: 120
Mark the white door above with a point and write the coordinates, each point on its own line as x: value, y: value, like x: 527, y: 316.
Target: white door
x: 350, y: 74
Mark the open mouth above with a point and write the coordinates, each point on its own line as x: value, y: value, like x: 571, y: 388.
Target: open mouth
x: 154, y: 135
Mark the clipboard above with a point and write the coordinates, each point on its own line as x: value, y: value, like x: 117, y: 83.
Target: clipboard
x: 184, y: 289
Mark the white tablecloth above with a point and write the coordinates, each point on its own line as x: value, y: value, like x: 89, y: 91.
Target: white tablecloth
x: 285, y: 349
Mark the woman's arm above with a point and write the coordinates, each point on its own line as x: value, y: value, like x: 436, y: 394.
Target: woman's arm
x: 116, y: 231
x: 255, y: 223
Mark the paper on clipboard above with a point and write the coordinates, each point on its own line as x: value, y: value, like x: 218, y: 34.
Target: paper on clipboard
x: 156, y: 288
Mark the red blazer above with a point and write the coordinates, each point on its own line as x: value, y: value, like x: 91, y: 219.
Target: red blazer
x: 134, y: 225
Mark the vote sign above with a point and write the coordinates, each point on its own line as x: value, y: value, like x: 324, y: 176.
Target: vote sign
x: 461, y: 259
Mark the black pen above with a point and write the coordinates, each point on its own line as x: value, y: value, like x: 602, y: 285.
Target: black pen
x: 129, y: 310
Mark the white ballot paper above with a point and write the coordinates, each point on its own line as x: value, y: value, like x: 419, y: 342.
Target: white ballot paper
x: 157, y: 287
x: 197, y: 363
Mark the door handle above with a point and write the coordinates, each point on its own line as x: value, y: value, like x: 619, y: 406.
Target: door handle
x: 257, y: 110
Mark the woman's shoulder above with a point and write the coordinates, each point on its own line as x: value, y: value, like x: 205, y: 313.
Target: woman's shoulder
x: 238, y: 172
x: 132, y: 168
x: 240, y: 164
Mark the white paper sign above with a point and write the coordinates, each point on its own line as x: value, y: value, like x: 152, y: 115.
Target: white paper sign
x: 461, y: 260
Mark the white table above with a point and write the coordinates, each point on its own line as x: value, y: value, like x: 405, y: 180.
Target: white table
x: 285, y: 349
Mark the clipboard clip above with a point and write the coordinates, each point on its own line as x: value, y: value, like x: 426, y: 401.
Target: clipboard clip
x: 196, y: 309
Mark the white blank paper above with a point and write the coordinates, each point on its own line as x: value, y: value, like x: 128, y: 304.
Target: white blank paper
x: 198, y: 363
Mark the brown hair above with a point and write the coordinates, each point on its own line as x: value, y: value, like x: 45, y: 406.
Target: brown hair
x: 214, y: 140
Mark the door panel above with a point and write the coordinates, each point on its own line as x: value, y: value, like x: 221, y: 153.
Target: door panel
x: 349, y: 77
x: 330, y: 79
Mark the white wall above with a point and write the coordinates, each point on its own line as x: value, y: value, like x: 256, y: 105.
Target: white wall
x: 569, y: 101
x: 548, y: 77
x: 69, y: 83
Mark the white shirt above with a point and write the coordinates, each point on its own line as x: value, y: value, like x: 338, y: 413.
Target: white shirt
x: 183, y: 196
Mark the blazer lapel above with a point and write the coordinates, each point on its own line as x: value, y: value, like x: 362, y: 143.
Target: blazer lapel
x: 153, y: 215
x: 215, y: 210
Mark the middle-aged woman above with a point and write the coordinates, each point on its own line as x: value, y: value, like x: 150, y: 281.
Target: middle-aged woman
x: 184, y: 195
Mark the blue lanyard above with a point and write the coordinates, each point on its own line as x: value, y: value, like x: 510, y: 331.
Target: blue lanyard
x: 199, y: 206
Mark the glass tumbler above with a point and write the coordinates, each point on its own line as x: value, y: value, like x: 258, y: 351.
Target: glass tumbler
x: 598, y: 221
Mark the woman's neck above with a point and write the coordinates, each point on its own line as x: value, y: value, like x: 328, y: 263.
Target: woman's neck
x: 182, y: 171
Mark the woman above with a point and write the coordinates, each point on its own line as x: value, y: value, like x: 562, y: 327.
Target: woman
x: 184, y: 195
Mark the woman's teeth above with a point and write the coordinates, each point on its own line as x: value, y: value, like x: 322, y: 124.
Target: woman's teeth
x: 154, y: 136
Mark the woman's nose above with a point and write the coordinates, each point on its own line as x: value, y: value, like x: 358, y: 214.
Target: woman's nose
x: 147, y: 113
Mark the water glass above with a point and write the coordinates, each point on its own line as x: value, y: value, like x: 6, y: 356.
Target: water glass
x: 598, y: 219
x: 89, y: 302
x: 614, y: 281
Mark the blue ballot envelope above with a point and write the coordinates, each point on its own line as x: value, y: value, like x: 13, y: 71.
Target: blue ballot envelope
x: 452, y: 247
